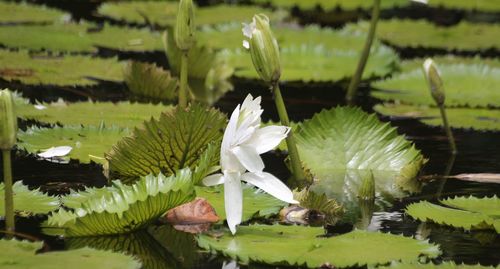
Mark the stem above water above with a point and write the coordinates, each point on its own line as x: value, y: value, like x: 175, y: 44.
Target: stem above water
x: 9, y: 201
x: 184, y: 80
x: 296, y: 165
x: 356, y: 78
x: 447, y: 128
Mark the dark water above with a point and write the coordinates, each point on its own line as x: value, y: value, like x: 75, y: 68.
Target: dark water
x: 479, y: 152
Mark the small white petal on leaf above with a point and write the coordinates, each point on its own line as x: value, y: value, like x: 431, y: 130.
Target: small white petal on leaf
x: 40, y: 107
x: 249, y: 158
x: 271, y: 185
x: 56, y: 152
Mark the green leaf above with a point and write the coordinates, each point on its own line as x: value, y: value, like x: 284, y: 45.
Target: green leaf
x: 307, y: 54
x: 474, y: 6
x: 174, y: 141
x: 11, y: 12
x: 302, y: 246
x: 468, y: 220
x: 28, y: 202
x: 463, y: 36
x: 148, y: 80
x: 121, y: 209
x: 164, y: 13
x: 23, y: 254
x: 89, y: 143
x: 475, y: 118
x: 121, y: 114
x: 488, y: 205
x: 467, y: 82
x: 332, y: 4
x: 255, y: 202
x: 343, y: 145
x: 444, y: 265
x: 81, y: 37
x: 138, y: 244
x: 57, y: 70
x: 329, y: 207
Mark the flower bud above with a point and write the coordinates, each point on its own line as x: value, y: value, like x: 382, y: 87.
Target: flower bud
x: 185, y: 27
x: 8, y: 121
x: 263, y: 48
x: 367, y: 188
x: 433, y: 77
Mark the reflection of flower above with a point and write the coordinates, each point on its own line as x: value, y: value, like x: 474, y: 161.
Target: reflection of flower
x: 242, y: 144
x: 230, y: 265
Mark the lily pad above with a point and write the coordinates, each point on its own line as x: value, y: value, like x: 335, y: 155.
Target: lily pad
x: 81, y: 37
x: 121, y: 114
x: 463, y: 36
x: 332, y: 4
x: 255, y: 203
x: 164, y: 13
x: 148, y: 80
x: 342, y: 146
x: 28, y: 202
x: 58, y: 70
x: 121, y: 209
x: 303, y: 246
x: 174, y: 141
x: 307, y: 54
x: 89, y: 143
x: 12, y: 12
x: 23, y: 254
x: 444, y: 265
x: 470, y: 83
x: 475, y: 118
x: 467, y: 213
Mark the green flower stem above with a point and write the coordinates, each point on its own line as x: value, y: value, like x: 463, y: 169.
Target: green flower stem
x: 353, y: 85
x: 9, y: 201
x: 447, y: 128
x: 296, y: 165
x: 184, y: 80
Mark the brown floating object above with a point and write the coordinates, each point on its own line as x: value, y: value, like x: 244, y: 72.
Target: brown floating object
x: 198, y: 211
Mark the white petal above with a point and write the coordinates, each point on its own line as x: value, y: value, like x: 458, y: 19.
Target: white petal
x: 230, y: 265
x: 56, y: 152
x: 420, y: 1
x: 233, y: 200
x: 213, y: 180
x: 230, y: 131
x: 248, y: 29
x: 229, y: 162
x: 40, y: 107
x: 246, y: 45
x: 271, y: 185
x: 251, y: 104
x: 249, y: 158
x: 267, y: 138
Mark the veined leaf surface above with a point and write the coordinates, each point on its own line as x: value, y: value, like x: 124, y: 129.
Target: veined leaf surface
x: 12, y: 12
x: 28, y: 202
x: 150, y: 81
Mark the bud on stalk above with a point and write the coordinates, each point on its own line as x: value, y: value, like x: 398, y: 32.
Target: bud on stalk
x: 8, y: 121
x: 185, y: 27
x: 433, y: 77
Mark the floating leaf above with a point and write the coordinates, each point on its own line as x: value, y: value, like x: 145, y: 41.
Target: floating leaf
x: 89, y: 143
x: 148, y: 80
x: 12, y: 12
x: 255, y: 202
x: 121, y: 208
x: 81, y: 37
x: 27, y: 202
x: 463, y: 36
x: 444, y: 265
x: 121, y: 114
x: 308, y: 54
x: 475, y: 118
x: 138, y: 244
x: 473, y: 83
x: 174, y: 141
x: 23, y: 254
x: 477, y: 218
x: 488, y: 6
x: 343, y: 145
x: 164, y: 13
x: 57, y: 70
x: 332, y: 4
x: 302, y: 246
x: 311, y: 200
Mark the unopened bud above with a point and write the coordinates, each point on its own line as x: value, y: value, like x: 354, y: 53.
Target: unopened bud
x: 263, y: 48
x: 8, y: 121
x: 185, y: 27
x: 367, y: 189
x: 433, y: 77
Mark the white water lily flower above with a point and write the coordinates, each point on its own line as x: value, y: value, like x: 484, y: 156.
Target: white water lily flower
x: 242, y: 144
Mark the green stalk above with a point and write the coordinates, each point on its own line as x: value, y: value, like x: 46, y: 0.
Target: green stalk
x: 9, y: 201
x: 184, y: 80
x: 447, y: 128
x: 296, y: 165
x: 353, y: 85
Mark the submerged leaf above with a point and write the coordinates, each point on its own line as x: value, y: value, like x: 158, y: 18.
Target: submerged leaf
x: 343, y: 145
x: 148, y: 80
x: 88, y: 143
x: 23, y: 254
x: 174, y: 141
x: 303, y: 246
x: 27, y: 202
x: 121, y: 208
